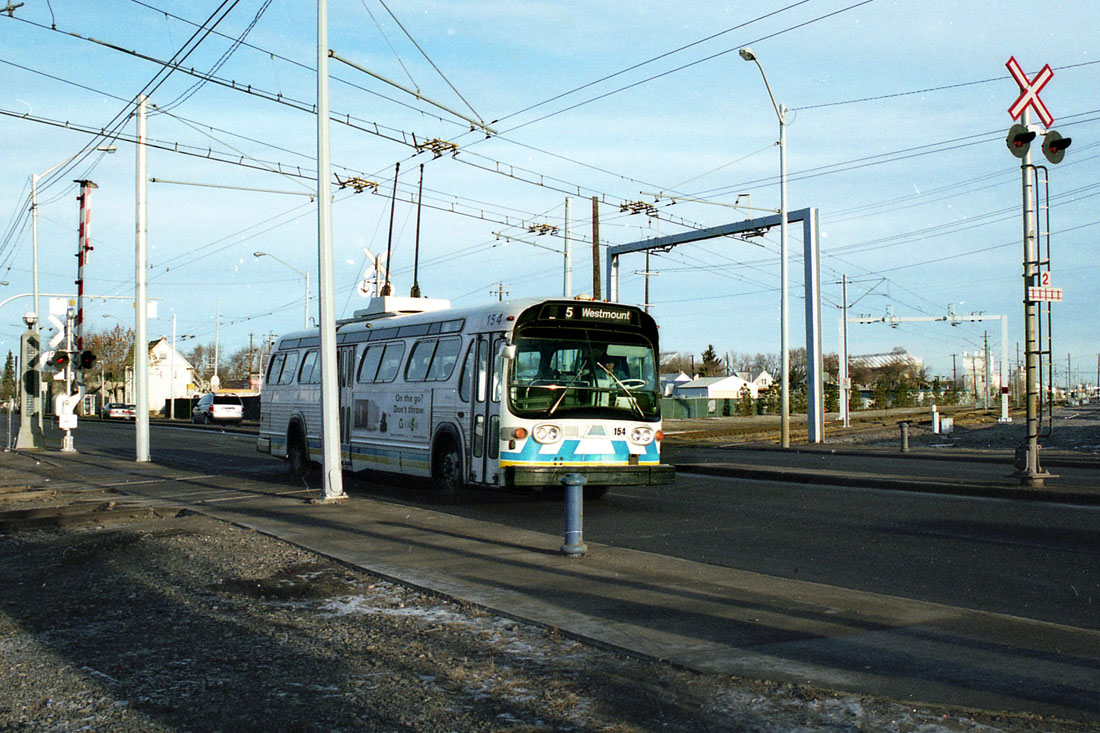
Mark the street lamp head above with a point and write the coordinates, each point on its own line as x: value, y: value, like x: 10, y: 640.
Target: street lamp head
x: 747, y: 54
x: 258, y: 254
x: 107, y: 149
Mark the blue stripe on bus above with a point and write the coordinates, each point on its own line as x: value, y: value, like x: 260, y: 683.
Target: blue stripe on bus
x: 567, y: 451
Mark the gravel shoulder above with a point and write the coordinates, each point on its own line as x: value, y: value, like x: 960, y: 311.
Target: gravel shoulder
x: 187, y: 623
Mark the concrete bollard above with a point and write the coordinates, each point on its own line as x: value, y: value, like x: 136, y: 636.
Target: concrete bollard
x: 904, y: 437
x: 574, y: 516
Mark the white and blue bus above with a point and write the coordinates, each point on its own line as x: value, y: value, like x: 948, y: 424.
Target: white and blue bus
x: 516, y: 393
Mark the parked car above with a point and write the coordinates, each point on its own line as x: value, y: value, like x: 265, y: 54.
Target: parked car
x: 223, y: 408
x: 117, y: 411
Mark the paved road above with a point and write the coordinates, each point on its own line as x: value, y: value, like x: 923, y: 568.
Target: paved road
x: 1030, y: 559
x: 700, y: 614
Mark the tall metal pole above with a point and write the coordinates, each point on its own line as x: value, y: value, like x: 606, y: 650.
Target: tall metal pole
x: 84, y: 246
x: 784, y: 301
x: 172, y: 374
x: 141, y: 338
x: 845, y: 388
x: 333, y: 482
x: 1031, y: 475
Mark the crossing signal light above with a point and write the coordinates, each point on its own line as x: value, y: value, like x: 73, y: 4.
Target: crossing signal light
x: 59, y: 360
x: 1054, y: 146
x: 1019, y: 140
x: 86, y: 360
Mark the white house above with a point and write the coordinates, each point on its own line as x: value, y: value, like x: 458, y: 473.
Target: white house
x: 170, y: 374
x: 717, y: 387
x: 670, y: 382
x: 762, y: 380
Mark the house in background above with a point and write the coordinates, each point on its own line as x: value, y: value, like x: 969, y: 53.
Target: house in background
x: 171, y: 376
x: 717, y: 388
x: 670, y: 383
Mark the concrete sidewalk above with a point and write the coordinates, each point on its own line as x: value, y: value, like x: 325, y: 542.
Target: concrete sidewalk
x: 700, y: 616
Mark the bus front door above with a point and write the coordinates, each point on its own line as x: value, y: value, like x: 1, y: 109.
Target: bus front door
x: 485, y: 415
x: 345, y: 366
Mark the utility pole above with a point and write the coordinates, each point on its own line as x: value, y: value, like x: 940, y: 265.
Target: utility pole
x: 596, y: 247
x: 500, y: 292
x: 567, y: 275
x: 954, y: 373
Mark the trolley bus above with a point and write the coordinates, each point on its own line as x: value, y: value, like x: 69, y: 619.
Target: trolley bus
x: 516, y: 393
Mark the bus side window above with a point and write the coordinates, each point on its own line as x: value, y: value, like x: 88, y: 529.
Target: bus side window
x: 287, y: 375
x: 467, y: 375
x: 275, y: 368
x: 368, y: 367
x: 443, y: 363
x: 419, y: 359
x: 391, y: 362
x: 309, y: 373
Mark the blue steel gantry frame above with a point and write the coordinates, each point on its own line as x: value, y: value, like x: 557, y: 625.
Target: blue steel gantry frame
x: 815, y: 417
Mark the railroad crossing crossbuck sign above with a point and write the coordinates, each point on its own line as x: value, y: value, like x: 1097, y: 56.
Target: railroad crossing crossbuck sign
x: 1029, y: 91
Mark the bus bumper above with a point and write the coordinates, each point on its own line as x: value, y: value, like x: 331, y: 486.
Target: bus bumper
x: 541, y: 476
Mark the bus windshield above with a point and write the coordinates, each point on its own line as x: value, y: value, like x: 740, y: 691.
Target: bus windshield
x: 583, y: 372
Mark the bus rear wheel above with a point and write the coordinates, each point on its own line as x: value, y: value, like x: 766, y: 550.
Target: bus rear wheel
x: 297, y: 456
x: 447, y: 472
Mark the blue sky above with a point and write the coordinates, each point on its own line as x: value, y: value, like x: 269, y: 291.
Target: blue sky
x: 896, y: 134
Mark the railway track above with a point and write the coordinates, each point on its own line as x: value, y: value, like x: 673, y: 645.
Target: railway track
x: 742, y: 430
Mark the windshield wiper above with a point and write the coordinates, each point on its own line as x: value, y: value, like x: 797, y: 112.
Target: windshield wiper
x: 564, y: 392
x: 629, y: 394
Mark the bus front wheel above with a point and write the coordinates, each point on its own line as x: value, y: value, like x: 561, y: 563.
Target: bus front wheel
x: 447, y: 472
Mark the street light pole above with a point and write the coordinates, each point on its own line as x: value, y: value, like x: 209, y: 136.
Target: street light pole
x: 784, y: 302
x: 305, y: 322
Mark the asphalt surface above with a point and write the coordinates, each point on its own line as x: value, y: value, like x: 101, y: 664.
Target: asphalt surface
x: 699, y: 615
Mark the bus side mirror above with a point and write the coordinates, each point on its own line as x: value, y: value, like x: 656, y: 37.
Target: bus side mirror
x: 506, y: 351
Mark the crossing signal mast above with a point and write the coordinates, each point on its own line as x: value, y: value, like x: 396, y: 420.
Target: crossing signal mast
x: 1038, y: 287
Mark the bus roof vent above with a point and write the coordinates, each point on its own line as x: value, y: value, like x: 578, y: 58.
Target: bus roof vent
x: 387, y: 306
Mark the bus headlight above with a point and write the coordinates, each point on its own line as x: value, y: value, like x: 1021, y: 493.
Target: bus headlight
x: 641, y: 436
x: 546, y: 433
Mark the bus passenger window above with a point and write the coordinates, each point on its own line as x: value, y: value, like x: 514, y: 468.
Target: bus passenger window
x: 275, y: 368
x: 391, y: 362
x: 446, y: 354
x: 467, y: 374
x: 369, y: 366
x: 309, y: 373
x: 287, y: 375
x: 419, y: 359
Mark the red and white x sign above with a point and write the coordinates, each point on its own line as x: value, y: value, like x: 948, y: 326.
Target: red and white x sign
x: 1029, y: 91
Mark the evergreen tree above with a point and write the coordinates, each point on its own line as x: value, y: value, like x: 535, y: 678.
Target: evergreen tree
x: 712, y: 366
x: 7, y: 382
